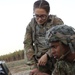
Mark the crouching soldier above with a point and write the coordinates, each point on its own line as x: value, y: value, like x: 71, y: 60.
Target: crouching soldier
x: 62, y: 44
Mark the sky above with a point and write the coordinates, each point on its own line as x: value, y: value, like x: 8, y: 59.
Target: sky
x: 16, y: 14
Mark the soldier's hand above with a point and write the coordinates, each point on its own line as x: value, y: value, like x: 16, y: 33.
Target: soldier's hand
x: 40, y: 73
x: 43, y: 60
x: 37, y: 72
x: 32, y: 72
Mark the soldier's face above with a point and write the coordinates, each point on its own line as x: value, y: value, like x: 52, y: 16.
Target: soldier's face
x: 57, y: 49
x: 40, y: 15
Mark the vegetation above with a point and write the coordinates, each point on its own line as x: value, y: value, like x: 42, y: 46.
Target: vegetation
x: 17, y: 55
x: 17, y: 66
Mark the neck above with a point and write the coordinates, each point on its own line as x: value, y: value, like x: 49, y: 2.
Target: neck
x: 70, y: 56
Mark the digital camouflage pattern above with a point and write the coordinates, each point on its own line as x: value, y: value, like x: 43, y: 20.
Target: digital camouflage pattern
x: 63, y: 33
x: 40, y: 32
x: 66, y: 35
x: 64, y: 68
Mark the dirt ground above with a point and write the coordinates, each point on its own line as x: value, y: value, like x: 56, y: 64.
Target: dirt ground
x: 18, y: 67
x: 20, y: 70
x: 22, y: 73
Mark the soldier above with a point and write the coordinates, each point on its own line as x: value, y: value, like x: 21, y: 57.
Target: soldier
x: 62, y: 44
x: 34, y: 41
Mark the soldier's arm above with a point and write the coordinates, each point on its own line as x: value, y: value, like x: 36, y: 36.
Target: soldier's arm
x: 28, y: 45
x: 49, y: 53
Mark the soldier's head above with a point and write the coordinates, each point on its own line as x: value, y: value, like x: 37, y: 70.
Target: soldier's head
x: 41, y: 9
x: 61, y: 39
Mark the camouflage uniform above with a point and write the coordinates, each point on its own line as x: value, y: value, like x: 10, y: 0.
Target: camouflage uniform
x: 64, y: 67
x: 66, y: 35
x: 40, y: 32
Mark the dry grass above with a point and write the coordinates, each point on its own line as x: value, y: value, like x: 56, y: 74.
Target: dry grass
x: 18, y: 67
